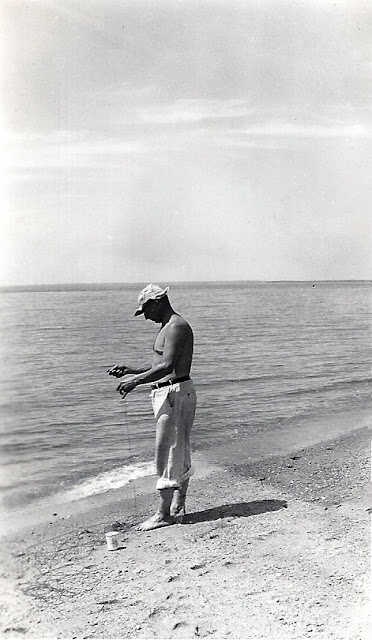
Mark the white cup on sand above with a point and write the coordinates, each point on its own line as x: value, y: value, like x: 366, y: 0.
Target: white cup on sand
x: 112, y: 539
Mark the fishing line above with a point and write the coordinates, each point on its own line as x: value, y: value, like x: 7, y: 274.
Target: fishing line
x: 126, y: 421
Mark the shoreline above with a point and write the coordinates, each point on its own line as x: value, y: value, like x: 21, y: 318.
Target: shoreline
x: 273, y: 547
x: 257, y: 445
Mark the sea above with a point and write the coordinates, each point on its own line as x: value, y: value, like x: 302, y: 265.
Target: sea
x: 268, y: 355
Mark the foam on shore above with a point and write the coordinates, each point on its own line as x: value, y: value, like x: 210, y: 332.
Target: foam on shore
x: 114, y: 479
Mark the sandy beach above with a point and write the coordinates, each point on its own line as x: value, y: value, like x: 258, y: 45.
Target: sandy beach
x: 274, y: 548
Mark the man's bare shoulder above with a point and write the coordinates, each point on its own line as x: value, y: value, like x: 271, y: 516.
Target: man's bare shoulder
x: 178, y: 324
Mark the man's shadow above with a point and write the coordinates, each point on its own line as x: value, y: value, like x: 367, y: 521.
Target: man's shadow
x: 239, y: 510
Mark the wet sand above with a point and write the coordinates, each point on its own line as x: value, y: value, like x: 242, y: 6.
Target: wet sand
x: 272, y: 546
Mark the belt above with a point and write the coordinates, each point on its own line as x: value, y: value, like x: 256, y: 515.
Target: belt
x: 168, y: 383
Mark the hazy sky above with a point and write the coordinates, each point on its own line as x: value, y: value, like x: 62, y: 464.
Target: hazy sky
x: 186, y: 140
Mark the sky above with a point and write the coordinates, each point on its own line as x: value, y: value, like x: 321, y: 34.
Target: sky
x: 183, y: 140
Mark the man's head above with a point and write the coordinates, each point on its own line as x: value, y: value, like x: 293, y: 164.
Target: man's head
x: 151, y: 299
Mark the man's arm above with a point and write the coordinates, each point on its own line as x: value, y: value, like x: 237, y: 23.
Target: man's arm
x: 173, y: 343
x: 123, y: 370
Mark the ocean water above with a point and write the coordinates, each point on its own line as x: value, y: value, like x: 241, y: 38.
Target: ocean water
x: 267, y: 355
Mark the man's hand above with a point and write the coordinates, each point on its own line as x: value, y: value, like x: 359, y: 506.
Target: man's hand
x: 119, y: 371
x: 126, y: 387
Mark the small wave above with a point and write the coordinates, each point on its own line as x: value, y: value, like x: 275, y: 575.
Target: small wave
x: 108, y: 480
x: 340, y: 384
x: 59, y: 327
x: 225, y: 381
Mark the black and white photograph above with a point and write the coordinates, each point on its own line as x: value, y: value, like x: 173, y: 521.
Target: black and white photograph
x: 185, y: 319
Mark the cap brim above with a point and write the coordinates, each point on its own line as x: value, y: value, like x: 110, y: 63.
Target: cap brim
x: 138, y: 312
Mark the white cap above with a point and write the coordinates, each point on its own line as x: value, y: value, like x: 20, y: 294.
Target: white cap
x: 151, y: 292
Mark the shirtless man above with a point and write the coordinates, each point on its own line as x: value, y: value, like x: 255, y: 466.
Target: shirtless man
x: 173, y: 401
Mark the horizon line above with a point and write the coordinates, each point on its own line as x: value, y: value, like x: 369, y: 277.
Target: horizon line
x: 69, y: 285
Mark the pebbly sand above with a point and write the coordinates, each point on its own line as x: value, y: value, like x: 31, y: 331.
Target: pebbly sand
x: 276, y: 548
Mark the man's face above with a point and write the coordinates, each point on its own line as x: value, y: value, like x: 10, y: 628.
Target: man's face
x: 151, y: 310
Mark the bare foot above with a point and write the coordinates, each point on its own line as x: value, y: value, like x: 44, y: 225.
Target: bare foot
x: 178, y: 516
x: 177, y: 509
x: 155, y: 522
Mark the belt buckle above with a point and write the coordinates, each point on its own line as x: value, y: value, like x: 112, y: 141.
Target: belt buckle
x: 160, y: 385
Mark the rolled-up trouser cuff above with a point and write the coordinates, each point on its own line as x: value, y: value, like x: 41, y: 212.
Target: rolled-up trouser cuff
x: 166, y: 483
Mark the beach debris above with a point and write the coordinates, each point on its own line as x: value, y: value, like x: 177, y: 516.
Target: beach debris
x: 295, y: 457
x: 112, y: 540
x: 55, y: 514
x: 83, y: 532
x: 118, y: 526
x: 198, y: 566
x: 176, y: 625
x: 172, y: 578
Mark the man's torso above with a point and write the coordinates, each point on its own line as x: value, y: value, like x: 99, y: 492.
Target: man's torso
x: 183, y: 357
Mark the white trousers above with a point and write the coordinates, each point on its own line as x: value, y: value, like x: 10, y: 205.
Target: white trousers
x: 174, y: 409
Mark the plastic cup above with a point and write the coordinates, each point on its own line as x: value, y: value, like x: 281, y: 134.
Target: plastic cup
x: 112, y: 540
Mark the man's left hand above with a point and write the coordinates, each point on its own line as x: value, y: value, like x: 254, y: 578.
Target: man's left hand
x: 126, y: 387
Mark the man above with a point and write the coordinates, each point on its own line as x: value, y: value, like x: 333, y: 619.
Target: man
x: 173, y: 400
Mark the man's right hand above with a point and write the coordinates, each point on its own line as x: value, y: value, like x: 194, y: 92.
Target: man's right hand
x: 119, y: 371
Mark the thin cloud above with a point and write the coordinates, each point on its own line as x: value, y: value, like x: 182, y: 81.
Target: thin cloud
x: 67, y: 149
x: 130, y: 105
x: 289, y: 130
x: 197, y: 124
x: 144, y: 111
x: 184, y: 111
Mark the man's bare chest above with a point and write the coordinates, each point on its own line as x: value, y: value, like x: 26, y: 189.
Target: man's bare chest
x: 160, y: 342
